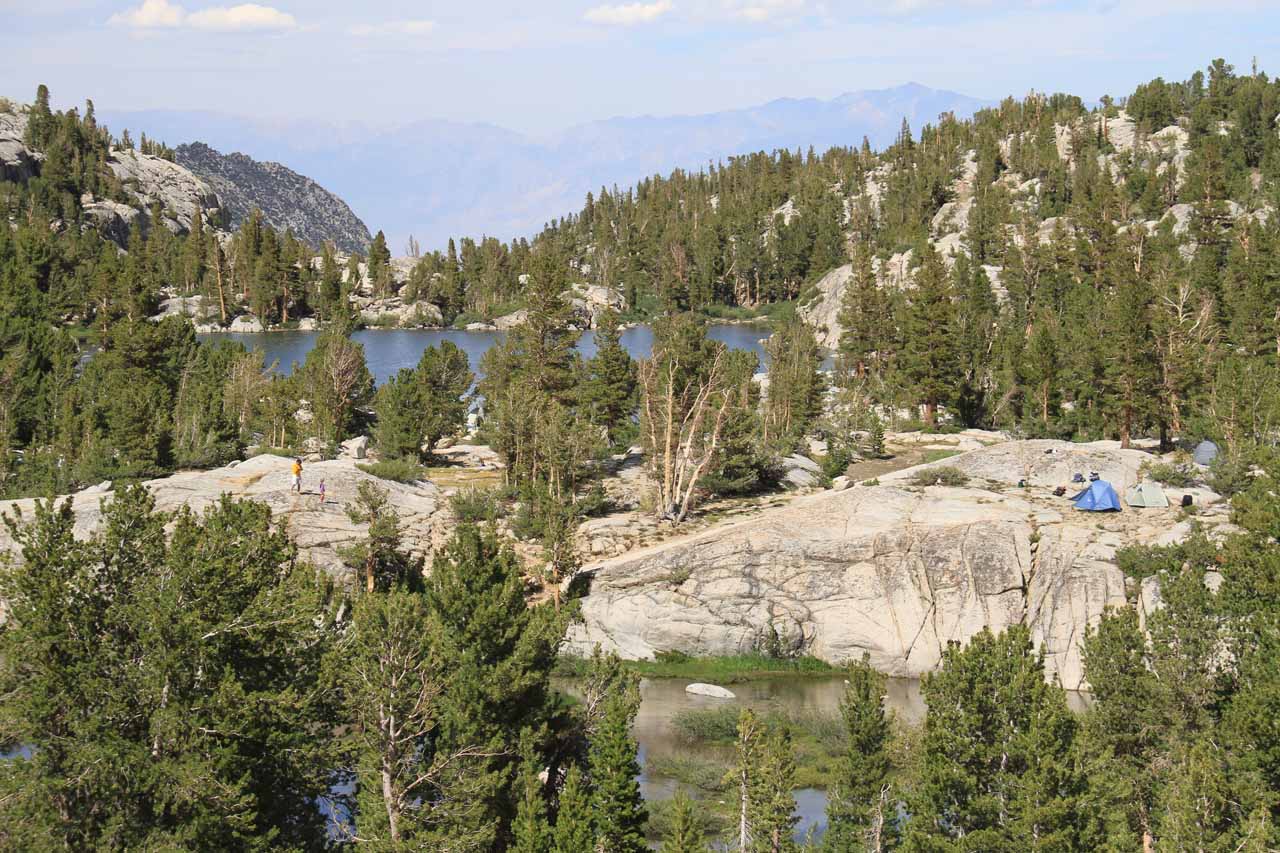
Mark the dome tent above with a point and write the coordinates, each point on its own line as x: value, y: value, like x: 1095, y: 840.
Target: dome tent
x: 1146, y: 494
x: 1205, y: 452
x: 1099, y: 497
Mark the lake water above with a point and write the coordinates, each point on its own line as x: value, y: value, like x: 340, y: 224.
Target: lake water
x: 386, y: 351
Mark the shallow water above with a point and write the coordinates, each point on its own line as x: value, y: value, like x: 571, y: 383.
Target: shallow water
x: 388, y: 350
x: 663, y: 699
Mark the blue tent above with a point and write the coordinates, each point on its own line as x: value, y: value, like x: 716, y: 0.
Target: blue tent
x: 1099, y: 497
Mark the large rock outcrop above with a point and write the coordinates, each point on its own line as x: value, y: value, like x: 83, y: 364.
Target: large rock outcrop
x: 893, y: 570
x: 286, y: 198
x: 17, y: 162
x: 319, y: 529
x: 151, y: 180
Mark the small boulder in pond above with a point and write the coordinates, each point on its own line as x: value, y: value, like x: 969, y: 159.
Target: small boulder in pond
x: 710, y: 690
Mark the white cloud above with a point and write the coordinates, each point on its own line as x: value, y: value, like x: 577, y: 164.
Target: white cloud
x: 629, y: 14
x: 152, y: 14
x: 394, y: 28
x: 758, y: 11
x: 246, y: 16
x: 161, y: 14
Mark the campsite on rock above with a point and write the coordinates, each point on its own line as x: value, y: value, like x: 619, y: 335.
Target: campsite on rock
x: 918, y: 497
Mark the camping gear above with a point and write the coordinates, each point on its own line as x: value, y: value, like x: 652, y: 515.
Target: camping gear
x: 1060, y: 491
x: 1093, y: 476
x: 1186, y: 500
x: 1146, y: 494
x: 1022, y: 484
x: 1077, y: 478
x: 1099, y: 497
x: 1205, y: 452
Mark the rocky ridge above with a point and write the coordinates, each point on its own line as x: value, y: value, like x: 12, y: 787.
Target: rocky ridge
x: 286, y: 198
x: 320, y: 530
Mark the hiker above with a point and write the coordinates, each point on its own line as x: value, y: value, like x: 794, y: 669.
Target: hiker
x: 297, y: 474
x: 322, y: 491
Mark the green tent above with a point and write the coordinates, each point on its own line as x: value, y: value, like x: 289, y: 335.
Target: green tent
x: 1146, y: 494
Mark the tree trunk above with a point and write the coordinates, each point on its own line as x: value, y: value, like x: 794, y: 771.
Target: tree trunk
x: 222, y: 296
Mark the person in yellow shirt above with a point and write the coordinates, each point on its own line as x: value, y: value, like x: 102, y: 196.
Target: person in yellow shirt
x: 297, y: 475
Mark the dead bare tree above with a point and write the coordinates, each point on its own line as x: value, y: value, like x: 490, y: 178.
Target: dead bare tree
x: 345, y: 374
x: 684, y: 415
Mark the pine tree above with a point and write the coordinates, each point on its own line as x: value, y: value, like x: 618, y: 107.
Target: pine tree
x: 443, y: 375
x: 499, y: 652
x: 765, y: 773
x: 1130, y: 364
x: 574, y: 830
x: 685, y: 833
x: 380, y: 560
x: 796, y: 386
x: 858, y: 807
x: 399, y: 432
x: 617, y: 808
x: 530, y: 831
x: 609, y: 395
x: 930, y: 358
x: 135, y: 701
x: 378, y: 269
x: 863, y: 316
x: 996, y: 755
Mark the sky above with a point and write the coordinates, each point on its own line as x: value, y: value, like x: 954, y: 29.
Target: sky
x: 538, y: 66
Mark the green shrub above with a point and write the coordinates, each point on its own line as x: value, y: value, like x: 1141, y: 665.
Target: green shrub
x: 710, y: 814
x: 1179, y: 475
x: 1230, y: 475
x: 475, y: 505
x: 1143, y: 561
x: 399, y: 470
x: 837, y: 462
x: 944, y: 475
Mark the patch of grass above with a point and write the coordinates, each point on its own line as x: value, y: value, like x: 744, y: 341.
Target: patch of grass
x: 733, y: 669
x: 937, y: 455
x: 944, y: 475
x: 728, y: 670
x: 708, y: 725
x: 872, y: 482
x: 818, y: 739
x: 701, y: 772
x: 769, y: 312
x: 399, y: 470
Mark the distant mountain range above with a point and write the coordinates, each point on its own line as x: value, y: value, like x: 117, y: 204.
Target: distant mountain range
x: 287, y: 200
x: 436, y: 179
